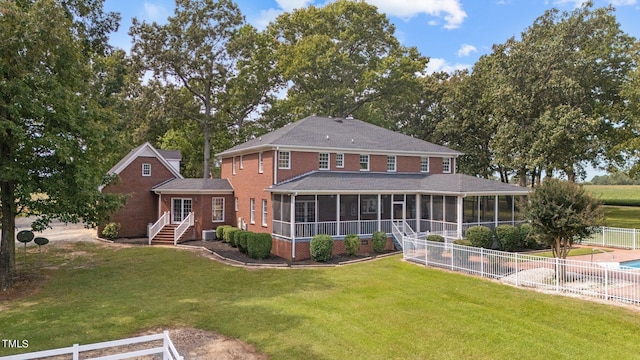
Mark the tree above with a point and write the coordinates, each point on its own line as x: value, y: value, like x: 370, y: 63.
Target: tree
x: 342, y: 59
x: 207, y: 49
x: 54, y: 131
x: 562, y: 213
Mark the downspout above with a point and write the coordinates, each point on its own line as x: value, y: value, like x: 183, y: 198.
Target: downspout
x: 275, y: 165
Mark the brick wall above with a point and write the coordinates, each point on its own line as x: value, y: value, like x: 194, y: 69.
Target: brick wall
x: 282, y: 248
x: 202, y: 207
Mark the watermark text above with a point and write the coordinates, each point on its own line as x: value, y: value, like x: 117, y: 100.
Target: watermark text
x: 15, y: 344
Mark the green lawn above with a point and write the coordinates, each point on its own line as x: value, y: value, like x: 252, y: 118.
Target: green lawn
x: 386, y: 309
x: 572, y: 252
x: 620, y: 195
x: 622, y: 216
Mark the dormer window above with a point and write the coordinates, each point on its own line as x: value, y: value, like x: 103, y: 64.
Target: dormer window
x: 391, y: 163
x: 146, y: 169
x: 323, y: 161
x: 364, y: 162
x: 446, y: 165
x: 284, y: 160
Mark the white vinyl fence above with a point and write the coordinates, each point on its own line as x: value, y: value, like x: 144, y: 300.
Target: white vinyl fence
x: 166, y: 349
x: 615, y: 237
x: 606, y: 281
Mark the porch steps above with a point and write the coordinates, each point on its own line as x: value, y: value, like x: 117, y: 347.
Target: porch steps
x: 165, y: 236
x: 397, y: 243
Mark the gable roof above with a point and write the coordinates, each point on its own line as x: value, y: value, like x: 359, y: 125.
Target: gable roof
x: 339, y: 134
x: 318, y: 182
x: 147, y: 150
x: 194, y: 186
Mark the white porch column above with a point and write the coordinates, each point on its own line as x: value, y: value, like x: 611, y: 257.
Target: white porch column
x: 379, y: 213
x: 338, y: 215
x: 495, y: 211
x: 292, y: 225
x: 460, y: 210
x: 418, y: 211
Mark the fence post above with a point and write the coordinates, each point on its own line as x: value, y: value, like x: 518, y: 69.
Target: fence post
x: 76, y: 351
x: 603, y: 243
x: 482, y: 262
x: 606, y: 282
x: 634, y: 238
x: 517, y: 272
x: 557, y: 276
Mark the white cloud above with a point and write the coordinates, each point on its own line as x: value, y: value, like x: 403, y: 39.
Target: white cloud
x: 466, y: 50
x: 623, y: 2
x: 268, y: 15
x: 450, y: 10
x: 578, y: 3
x: 438, y: 64
x: 288, y: 5
x: 155, y: 12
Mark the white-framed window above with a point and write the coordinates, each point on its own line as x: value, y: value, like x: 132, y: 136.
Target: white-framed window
x: 284, y: 160
x: 236, y: 204
x: 252, y: 214
x: 364, y: 162
x: 264, y: 212
x: 446, y: 165
x: 217, y: 209
x: 340, y: 160
x: 233, y: 165
x: 146, y: 169
x: 260, y: 163
x: 323, y: 161
x: 391, y: 163
x: 424, y: 164
x: 241, y: 164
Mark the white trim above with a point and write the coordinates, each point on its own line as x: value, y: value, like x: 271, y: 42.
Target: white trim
x: 395, y: 163
x: 328, y: 161
x: 233, y: 165
x: 193, y: 191
x: 252, y: 211
x: 341, y: 162
x: 260, y: 163
x: 213, y: 200
x: 241, y: 164
x: 146, y: 169
x: 134, y: 154
x: 390, y: 192
x: 264, y: 211
x: 280, y: 153
x: 448, y: 171
x: 252, y: 149
x: 427, y: 161
x: 360, y: 162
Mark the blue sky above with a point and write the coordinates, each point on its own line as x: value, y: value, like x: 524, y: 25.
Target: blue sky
x: 452, y: 33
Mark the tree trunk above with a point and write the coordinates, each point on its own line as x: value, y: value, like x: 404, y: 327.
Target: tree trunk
x: 206, y: 168
x: 7, y: 239
x: 522, y: 177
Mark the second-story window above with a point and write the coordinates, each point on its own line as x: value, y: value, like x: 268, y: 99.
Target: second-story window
x: 446, y: 165
x: 424, y: 164
x: 260, y: 163
x: 323, y: 161
x: 364, y: 162
x: 391, y: 163
x: 146, y: 169
x: 339, y: 160
x: 284, y: 160
x: 241, y: 165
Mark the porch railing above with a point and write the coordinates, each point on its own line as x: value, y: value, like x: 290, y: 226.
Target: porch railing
x: 154, y: 229
x: 182, y: 228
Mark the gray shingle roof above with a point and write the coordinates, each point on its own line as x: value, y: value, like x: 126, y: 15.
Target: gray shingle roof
x: 194, y: 186
x: 148, y: 149
x: 357, y: 182
x: 171, y: 154
x: 339, y: 133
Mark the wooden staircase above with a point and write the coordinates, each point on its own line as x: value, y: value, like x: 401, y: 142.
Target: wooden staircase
x: 165, y: 236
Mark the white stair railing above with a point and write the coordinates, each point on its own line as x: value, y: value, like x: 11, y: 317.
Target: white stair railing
x: 154, y: 229
x: 182, y: 228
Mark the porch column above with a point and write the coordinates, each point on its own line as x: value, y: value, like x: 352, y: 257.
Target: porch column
x: 460, y: 210
x: 379, y: 213
x: 292, y: 225
x: 418, y: 211
x: 338, y: 215
x: 496, y: 211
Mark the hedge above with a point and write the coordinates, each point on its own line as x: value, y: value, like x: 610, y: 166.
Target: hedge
x: 379, y: 240
x: 259, y: 245
x: 480, y: 236
x: 509, y: 237
x: 226, y: 233
x: 321, y: 247
x: 220, y: 231
x: 242, y: 241
x: 435, y: 237
x: 352, y: 244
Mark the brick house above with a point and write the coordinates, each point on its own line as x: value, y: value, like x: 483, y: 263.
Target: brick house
x: 336, y: 176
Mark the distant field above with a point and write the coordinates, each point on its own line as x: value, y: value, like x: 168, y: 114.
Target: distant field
x: 622, y: 216
x: 619, y: 195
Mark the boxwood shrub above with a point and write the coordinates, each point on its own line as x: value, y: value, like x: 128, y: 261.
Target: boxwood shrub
x: 435, y: 237
x: 242, y: 241
x: 220, y: 231
x: 379, y: 240
x: 226, y: 233
x: 480, y: 236
x: 234, y: 237
x: 352, y: 244
x: 321, y: 247
x: 259, y: 245
x: 509, y: 237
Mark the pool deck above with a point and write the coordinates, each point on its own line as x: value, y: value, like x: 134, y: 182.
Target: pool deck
x: 612, y: 255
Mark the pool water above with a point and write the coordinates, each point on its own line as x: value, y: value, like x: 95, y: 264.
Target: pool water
x: 631, y: 264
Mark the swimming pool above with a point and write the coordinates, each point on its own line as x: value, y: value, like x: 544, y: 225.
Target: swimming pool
x: 631, y: 264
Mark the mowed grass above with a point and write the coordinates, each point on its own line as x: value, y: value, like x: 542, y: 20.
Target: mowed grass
x: 385, y: 309
x: 622, y: 216
x: 617, y: 195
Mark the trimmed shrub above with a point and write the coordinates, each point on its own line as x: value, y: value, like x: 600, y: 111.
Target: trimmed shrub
x: 463, y: 242
x: 480, y: 236
x: 226, y: 233
x: 234, y: 237
x: 352, y: 244
x: 379, y: 241
x: 435, y: 237
x: 242, y: 241
x: 259, y: 245
x: 527, y: 238
x: 509, y: 237
x: 220, y: 231
x: 111, y: 230
x: 321, y: 247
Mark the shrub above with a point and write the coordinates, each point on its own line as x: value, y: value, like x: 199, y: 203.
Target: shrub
x: 480, y: 236
x: 226, y: 233
x: 509, y: 237
x: 321, y: 247
x: 526, y: 237
x: 379, y: 240
x: 111, y: 230
x: 259, y: 245
x: 234, y: 237
x: 352, y: 244
x: 242, y: 241
x: 220, y: 231
x: 435, y: 237
x: 463, y: 242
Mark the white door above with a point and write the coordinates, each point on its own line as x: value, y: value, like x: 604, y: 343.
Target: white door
x: 180, y: 210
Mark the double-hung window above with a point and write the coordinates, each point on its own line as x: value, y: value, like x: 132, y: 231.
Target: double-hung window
x: 424, y: 164
x: 264, y: 212
x: 252, y: 214
x: 340, y: 160
x: 446, y: 165
x: 260, y: 163
x: 391, y: 163
x: 323, y: 161
x: 217, y: 209
x: 146, y: 169
x: 284, y: 160
x: 364, y: 162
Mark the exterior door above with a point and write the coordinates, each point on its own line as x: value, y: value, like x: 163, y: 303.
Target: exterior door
x: 398, y: 211
x: 180, y: 209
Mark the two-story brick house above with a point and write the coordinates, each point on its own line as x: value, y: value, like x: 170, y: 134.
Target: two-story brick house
x: 340, y: 176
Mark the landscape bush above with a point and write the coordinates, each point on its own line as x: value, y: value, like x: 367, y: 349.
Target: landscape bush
x: 321, y: 247
x: 352, y: 244
x: 480, y: 236
x: 226, y: 233
x: 464, y: 242
x: 509, y: 237
x: 259, y: 245
x: 242, y: 241
x: 111, y: 230
x: 234, y: 237
x: 435, y: 238
x: 220, y: 231
x: 527, y: 238
x: 379, y: 240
